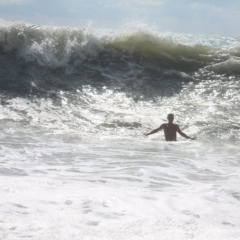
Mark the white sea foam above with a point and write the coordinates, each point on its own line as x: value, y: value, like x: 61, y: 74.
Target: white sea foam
x: 96, y: 190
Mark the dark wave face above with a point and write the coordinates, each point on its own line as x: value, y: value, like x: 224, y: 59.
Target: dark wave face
x: 105, y: 81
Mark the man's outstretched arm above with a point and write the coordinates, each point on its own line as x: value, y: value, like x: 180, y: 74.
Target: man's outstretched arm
x: 154, y: 131
x: 183, y: 134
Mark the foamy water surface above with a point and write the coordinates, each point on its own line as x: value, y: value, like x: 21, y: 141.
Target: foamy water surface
x: 118, y: 189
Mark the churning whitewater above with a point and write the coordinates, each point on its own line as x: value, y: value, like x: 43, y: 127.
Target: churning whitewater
x: 74, y: 163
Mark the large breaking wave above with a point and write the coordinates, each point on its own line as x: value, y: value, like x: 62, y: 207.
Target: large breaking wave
x: 97, y: 80
x: 65, y: 58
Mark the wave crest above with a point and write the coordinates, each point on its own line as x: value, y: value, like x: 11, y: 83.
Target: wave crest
x: 42, y: 59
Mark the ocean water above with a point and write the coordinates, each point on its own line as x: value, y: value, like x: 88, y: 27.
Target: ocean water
x: 74, y: 163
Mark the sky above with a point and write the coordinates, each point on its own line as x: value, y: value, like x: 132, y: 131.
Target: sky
x: 212, y: 17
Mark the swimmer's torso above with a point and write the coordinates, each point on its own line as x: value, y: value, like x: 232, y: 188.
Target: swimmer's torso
x: 170, y: 131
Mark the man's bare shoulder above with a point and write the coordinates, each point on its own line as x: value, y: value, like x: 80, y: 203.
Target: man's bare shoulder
x: 176, y: 126
x: 170, y: 125
x: 163, y: 125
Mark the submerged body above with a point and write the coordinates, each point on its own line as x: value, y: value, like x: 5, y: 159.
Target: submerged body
x: 170, y: 130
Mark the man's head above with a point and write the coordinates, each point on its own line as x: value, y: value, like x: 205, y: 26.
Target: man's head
x: 170, y: 117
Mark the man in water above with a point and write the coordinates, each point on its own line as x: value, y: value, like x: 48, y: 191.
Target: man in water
x: 170, y: 130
